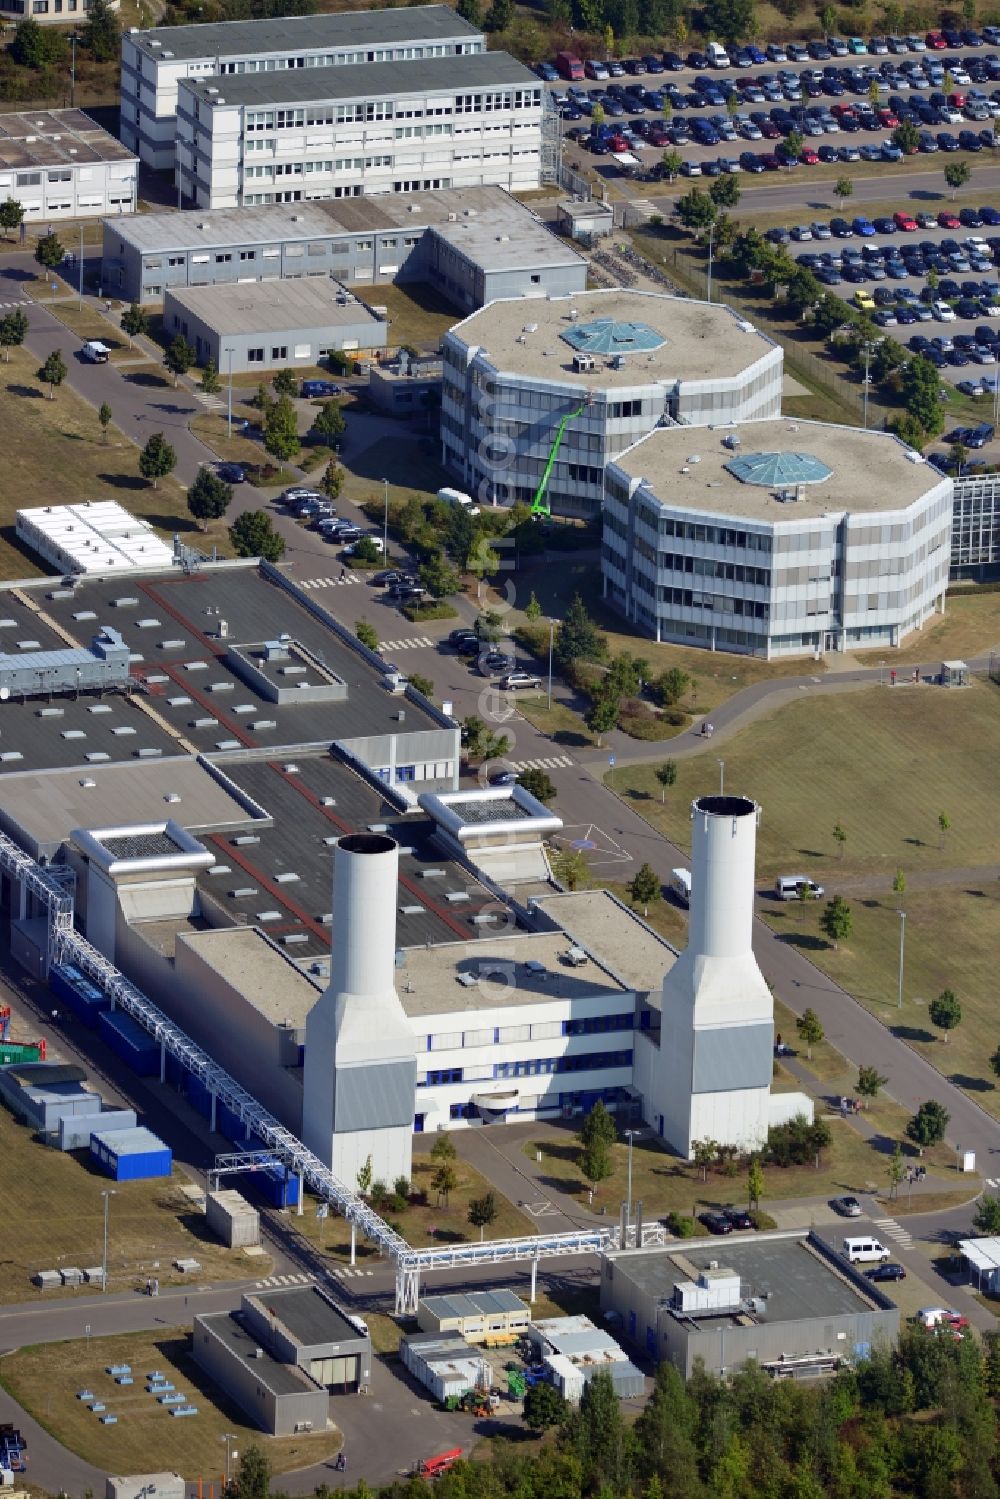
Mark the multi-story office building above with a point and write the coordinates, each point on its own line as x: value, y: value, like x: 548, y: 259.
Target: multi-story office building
x: 342, y: 132
x: 58, y: 164
x: 154, y: 61
x: 48, y: 11
x: 470, y: 245
x: 779, y: 538
x: 975, y: 537
x: 604, y: 368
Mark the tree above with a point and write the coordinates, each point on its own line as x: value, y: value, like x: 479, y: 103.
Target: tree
x: 537, y: 784
x: 285, y: 383
x: 870, y: 1082
x: 49, y: 251
x: 895, y: 1170
x: 644, y: 888
x: 724, y: 190
x: 843, y: 189
x: 597, y: 116
x: 36, y: 46
x: 929, y: 1124
x: 281, y: 433
x: 598, y: 1126
x: 532, y: 609
x: 13, y: 332
x: 421, y: 684
x: 483, y: 1212
x: 595, y: 1161
x: 755, y: 1183
x: 443, y: 1148
x: 253, y: 535
x: 670, y: 686
x: 11, y: 215
x: 102, y: 34
x: 873, y: 94
x: 332, y: 481
x: 944, y: 823
x: 666, y: 774
x: 810, y: 1030
x: 703, y: 1153
x: 899, y: 883
x: 794, y: 141
x: 837, y: 921
x: 483, y: 559
x: 53, y: 371
x: 828, y: 18
x: 104, y: 416
x: 602, y: 715
x: 544, y: 1406
x: 365, y: 1176
x: 995, y: 1063
x: 945, y: 1011
x: 253, y: 1475
x: 499, y: 16
x: 695, y: 210
x: 572, y: 871
x: 840, y: 838
x: 671, y: 163
x: 329, y: 423
x: 157, y: 459
x: 438, y: 576
x: 180, y: 356
x: 365, y: 550
x: 986, y: 1219
x: 367, y: 634
x: 729, y: 19
x: 471, y: 11
x: 135, y: 322
x: 907, y: 137
x: 921, y: 391
x: 444, y: 1181
x: 494, y: 746
x: 209, y: 497
x: 210, y: 382
x: 957, y: 174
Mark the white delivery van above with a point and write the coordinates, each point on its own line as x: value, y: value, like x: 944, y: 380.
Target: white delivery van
x: 458, y: 497
x: 96, y: 352
x: 680, y: 885
x: 864, y: 1251
x: 787, y: 886
x: 717, y: 56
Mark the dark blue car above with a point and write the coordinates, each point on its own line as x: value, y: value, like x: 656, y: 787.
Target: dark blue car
x: 313, y: 388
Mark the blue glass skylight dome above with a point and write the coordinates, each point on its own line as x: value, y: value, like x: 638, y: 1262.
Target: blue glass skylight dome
x: 778, y: 470
x: 605, y: 336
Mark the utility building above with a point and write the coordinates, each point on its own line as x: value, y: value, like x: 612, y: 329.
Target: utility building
x: 60, y: 164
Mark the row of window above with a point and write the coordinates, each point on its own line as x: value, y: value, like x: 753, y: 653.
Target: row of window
x: 591, y: 1061
x: 339, y: 59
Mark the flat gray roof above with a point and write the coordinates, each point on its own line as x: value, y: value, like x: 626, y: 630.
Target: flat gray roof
x: 795, y: 1277
x: 475, y: 1304
x: 600, y: 923
x: 56, y: 137
x: 282, y: 34
x: 280, y: 1379
x: 506, y: 236
x: 701, y: 340
x: 244, y: 957
x: 308, y: 1315
x: 376, y: 80
x: 273, y: 306
x: 273, y: 223
x: 428, y: 982
x: 686, y: 468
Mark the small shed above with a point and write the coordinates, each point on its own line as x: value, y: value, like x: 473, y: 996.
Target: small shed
x: 131, y: 1154
x: 489, y: 1317
x: 232, y: 1219
x: 445, y: 1364
x: 982, y: 1259
x: 585, y: 221
x: 954, y: 674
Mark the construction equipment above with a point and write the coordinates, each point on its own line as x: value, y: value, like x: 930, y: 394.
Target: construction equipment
x: 432, y: 1467
x: 540, y: 504
x: 517, y: 1385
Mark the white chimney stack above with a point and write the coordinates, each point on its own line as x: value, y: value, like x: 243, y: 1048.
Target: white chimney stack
x: 359, y: 1077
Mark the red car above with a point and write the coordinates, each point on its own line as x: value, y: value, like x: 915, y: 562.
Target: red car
x: 904, y: 222
x: 888, y: 119
x: 935, y: 41
x: 808, y: 156
x: 949, y: 220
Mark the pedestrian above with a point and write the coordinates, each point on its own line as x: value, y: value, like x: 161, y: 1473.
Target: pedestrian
x: 107, y: 306
x: 916, y: 676
x: 892, y: 677
x: 343, y: 573
x: 149, y: 1286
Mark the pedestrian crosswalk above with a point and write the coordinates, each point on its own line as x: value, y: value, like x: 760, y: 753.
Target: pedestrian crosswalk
x: 285, y: 1280
x: 411, y: 643
x: 350, y: 1272
x: 24, y: 302
x: 330, y: 582
x: 992, y: 1181
x: 894, y: 1230
x: 549, y: 762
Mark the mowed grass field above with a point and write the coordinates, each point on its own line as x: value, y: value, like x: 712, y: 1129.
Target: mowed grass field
x: 884, y: 763
x: 45, y: 1378
x: 54, y: 1217
x: 54, y: 453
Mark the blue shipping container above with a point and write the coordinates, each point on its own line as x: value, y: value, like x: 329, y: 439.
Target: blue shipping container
x: 129, y: 1041
x: 131, y: 1154
x: 85, y: 999
x: 198, y: 1095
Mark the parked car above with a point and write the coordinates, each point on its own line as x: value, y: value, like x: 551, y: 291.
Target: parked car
x: 716, y: 1223
x: 232, y: 473
x: 737, y: 1218
x: 388, y: 576
x: 519, y: 679
x: 312, y: 388
x: 848, y: 1207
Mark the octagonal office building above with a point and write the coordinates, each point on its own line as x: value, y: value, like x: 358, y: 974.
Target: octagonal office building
x: 573, y: 381
x: 776, y: 538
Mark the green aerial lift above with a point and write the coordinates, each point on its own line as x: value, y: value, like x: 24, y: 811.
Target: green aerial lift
x: 540, y: 504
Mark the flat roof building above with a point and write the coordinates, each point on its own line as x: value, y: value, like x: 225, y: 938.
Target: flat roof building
x: 776, y: 537
x: 786, y: 1300
x: 48, y: 12
x: 614, y: 364
x: 471, y: 244
x: 154, y: 60
x: 93, y: 537
x: 60, y: 164
x: 278, y: 325
x: 336, y: 132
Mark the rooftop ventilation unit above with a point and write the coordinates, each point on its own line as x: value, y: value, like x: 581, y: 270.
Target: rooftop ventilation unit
x: 530, y: 328
x: 574, y: 314
x: 583, y: 364
x: 468, y: 980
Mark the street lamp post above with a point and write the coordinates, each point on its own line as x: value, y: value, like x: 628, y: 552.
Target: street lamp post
x: 229, y: 408
x: 106, y: 1194
x: 385, y: 522
x: 552, y: 632
x: 630, y: 1136
x: 711, y: 247
x: 81, y: 265
x: 722, y: 777
x: 72, y: 70
x: 227, y: 1437
x: 902, y: 943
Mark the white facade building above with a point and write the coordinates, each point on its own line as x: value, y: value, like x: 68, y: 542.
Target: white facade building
x: 341, y: 132
x: 601, y: 367
x: 59, y: 164
x: 47, y: 12
x: 776, y: 538
x: 154, y: 61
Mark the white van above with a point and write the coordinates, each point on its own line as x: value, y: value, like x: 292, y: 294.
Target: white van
x: 717, y: 56
x: 459, y: 498
x: 787, y: 886
x: 866, y: 1251
x: 95, y: 352
x: 680, y: 885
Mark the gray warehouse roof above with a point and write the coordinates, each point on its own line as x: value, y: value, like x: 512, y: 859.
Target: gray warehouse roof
x: 475, y: 1304
x: 377, y: 80
x: 307, y: 1315
x: 56, y: 137
x: 280, y: 1379
x: 356, y: 28
x: 274, y: 306
x: 504, y: 237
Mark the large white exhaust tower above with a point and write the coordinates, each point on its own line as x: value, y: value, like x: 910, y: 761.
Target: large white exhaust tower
x: 360, y: 1069
x: 712, y: 1079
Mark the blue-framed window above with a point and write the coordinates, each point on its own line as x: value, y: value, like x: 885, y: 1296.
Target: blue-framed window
x: 595, y: 1025
x: 406, y: 772
x: 588, y: 1061
x: 443, y: 1075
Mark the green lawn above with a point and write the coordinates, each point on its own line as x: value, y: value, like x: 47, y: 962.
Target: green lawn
x: 969, y: 627
x: 418, y: 314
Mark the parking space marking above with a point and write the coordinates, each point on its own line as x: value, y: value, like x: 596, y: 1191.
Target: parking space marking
x: 542, y: 1209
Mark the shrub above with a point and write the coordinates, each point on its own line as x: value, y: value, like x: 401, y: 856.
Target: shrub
x: 682, y: 1226
x: 439, y: 610
x: 762, y: 1220
x: 533, y: 638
